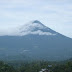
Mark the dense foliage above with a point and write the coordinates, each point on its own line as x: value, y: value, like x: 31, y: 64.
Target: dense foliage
x: 35, y: 66
x: 6, y: 68
x: 63, y: 68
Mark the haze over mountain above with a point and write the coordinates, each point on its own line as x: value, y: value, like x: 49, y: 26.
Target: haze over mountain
x: 35, y: 41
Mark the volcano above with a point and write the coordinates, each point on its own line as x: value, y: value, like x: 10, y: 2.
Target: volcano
x: 35, y: 41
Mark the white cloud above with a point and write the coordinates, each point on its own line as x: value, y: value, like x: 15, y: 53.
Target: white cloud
x: 38, y: 32
x: 25, y: 51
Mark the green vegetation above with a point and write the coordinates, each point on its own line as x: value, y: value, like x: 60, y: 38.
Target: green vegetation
x: 63, y: 68
x: 35, y: 66
x: 6, y: 68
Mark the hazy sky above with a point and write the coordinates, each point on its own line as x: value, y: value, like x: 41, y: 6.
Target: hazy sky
x: 56, y: 14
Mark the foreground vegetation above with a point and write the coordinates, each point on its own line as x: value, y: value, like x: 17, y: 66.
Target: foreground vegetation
x: 35, y: 66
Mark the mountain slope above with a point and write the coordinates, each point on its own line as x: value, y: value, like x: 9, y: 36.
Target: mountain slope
x: 36, y: 41
x: 36, y: 27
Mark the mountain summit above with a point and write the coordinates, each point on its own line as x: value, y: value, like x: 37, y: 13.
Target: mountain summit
x: 36, y: 27
x: 36, y: 21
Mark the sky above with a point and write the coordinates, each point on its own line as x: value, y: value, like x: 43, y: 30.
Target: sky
x: 56, y: 14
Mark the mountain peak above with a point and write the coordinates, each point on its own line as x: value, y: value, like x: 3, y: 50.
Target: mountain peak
x: 36, y: 21
x: 36, y: 27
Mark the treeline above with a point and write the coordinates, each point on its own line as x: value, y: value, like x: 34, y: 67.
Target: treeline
x: 35, y: 66
x: 6, y: 68
x: 67, y: 67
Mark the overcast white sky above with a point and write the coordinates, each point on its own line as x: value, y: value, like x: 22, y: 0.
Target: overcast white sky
x: 56, y: 14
